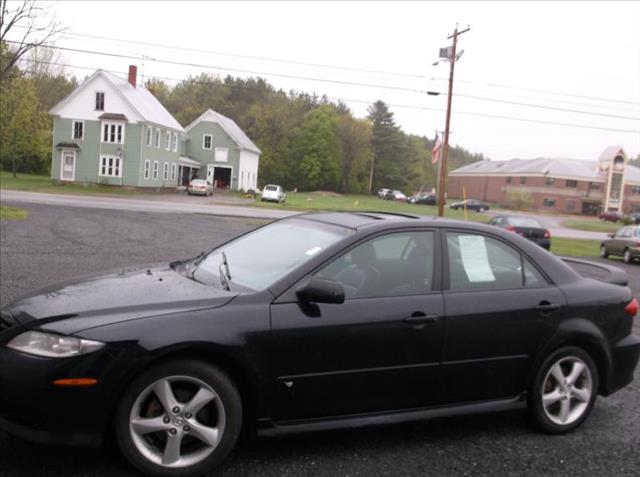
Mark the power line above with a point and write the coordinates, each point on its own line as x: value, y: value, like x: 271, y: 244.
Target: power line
x: 337, y: 67
x: 497, y: 85
x: 395, y: 105
x: 350, y: 83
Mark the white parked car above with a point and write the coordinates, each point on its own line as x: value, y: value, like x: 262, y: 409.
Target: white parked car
x: 273, y: 193
x: 200, y: 187
x: 382, y: 193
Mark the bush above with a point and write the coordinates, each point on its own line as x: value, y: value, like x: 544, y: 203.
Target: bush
x: 519, y: 200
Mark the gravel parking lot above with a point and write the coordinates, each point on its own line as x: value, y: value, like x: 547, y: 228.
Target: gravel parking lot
x: 56, y: 243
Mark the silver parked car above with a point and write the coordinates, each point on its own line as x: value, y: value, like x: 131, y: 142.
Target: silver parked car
x: 200, y: 187
x: 624, y: 243
x: 273, y: 193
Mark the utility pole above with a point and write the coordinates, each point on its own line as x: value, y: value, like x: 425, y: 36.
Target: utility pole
x: 445, y: 155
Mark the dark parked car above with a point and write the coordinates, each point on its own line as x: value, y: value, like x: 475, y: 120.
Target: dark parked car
x: 528, y: 227
x: 634, y: 217
x: 425, y: 199
x: 624, y: 243
x: 471, y: 204
x: 319, y: 321
x: 610, y: 216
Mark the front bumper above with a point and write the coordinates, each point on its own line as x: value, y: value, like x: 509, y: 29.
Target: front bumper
x: 625, y: 356
x: 32, y: 408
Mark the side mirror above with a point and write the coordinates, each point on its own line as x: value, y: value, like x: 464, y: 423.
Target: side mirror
x: 320, y: 290
x: 611, y: 235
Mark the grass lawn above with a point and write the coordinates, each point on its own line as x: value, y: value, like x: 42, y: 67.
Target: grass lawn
x: 12, y: 213
x: 314, y: 201
x: 591, y: 225
x: 575, y: 247
x: 33, y: 183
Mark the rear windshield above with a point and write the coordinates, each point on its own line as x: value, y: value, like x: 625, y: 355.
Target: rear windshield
x: 198, y: 182
x: 524, y: 222
x: 270, y: 187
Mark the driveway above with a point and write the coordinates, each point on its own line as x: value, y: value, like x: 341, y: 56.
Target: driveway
x: 60, y: 242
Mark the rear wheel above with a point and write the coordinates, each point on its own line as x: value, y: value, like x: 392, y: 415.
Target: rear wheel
x: 626, y: 257
x: 603, y: 251
x: 564, y: 391
x: 179, y: 418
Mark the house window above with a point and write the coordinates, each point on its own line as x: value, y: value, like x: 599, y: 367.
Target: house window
x: 222, y: 154
x: 594, y: 185
x: 570, y: 205
x: 523, y: 180
x: 99, y: 101
x: 508, y: 180
x: 570, y: 183
x: 167, y: 141
x: 635, y: 190
x: 78, y: 130
x: 113, y: 133
x: 550, y: 181
x: 207, y: 140
x: 549, y: 202
x: 156, y: 169
x: 175, y: 142
x: 173, y: 172
x: 149, y: 137
x: 157, y: 138
x: 147, y: 169
x: 165, y: 172
x: 110, y: 166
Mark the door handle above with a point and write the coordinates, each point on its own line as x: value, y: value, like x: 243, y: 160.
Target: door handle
x: 546, y: 307
x: 420, y: 318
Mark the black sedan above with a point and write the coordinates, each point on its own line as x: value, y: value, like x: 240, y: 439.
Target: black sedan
x: 528, y: 227
x: 470, y: 204
x: 319, y: 321
x: 424, y: 199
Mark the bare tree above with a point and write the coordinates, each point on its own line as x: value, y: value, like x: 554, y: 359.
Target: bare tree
x: 33, y: 25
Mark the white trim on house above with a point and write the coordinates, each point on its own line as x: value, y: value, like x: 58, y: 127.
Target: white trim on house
x: 156, y: 170
x: 167, y: 140
x: 165, y: 171
x: 115, y: 129
x: 148, y: 136
x: 110, y: 166
x: 73, y: 129
x: 204, y: 142
x: 73, y: 175
x: 146, y: 171
x: 230, y: 175
x: 156, y: 138
x: 95, y: 100
x: 173, y: 172
x: 175, y: 142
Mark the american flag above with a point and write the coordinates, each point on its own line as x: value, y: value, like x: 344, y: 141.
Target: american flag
x: 435, y: 153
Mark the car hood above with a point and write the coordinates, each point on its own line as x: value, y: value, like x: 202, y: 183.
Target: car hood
x: 131, y: 293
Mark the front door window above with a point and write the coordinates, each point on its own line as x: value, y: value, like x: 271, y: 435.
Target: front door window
x: 68, y: 166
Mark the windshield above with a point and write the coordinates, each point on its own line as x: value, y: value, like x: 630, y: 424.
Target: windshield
x: 270, y: 187
x: 524, y: 222
x: 257, y: 260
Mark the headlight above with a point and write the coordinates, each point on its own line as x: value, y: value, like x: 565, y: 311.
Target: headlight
x: 52, y: 346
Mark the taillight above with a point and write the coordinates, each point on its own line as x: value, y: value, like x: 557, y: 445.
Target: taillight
x: 632, y: 308
x: 511, y: 228
x: 547, y: 234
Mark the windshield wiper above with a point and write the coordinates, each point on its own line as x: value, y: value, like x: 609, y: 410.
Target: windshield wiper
x: 223, y: 269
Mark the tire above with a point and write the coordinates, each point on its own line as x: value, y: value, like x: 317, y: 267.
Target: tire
x: 567, y: 405
x: 207, y: 435
x: 603, y: 251
x: 481, y: 209
x: 626, y: 256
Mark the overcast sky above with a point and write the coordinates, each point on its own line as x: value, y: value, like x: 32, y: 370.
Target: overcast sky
x: 580, y: 49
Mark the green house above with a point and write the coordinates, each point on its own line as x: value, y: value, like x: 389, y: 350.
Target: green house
x: 112, y: 131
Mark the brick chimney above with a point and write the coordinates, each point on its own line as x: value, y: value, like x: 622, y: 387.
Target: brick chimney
x: 133, y: 75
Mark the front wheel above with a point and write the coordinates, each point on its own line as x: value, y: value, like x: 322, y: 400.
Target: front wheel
x: 564, y: 390
x: 603, y: 252
x: 626, y: 257
x: 179, y: 418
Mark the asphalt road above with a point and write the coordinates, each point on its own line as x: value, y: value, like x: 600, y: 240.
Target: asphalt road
x: 57, y: 242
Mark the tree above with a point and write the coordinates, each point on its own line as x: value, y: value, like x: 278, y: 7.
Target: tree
x: 316, y: 151
x: 389, y: 149
x: 24, y: 132
x: 355, y: 136
x: 32, y: 23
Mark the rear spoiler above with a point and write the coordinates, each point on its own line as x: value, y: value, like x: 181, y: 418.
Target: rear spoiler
x: 598, y: 271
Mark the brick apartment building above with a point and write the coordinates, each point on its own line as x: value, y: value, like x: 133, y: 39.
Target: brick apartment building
x: 561, y: 185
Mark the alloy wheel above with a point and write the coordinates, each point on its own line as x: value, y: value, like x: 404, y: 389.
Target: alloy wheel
x: 566, y: 390
x: 177, y: 421
x: 627, y: 256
